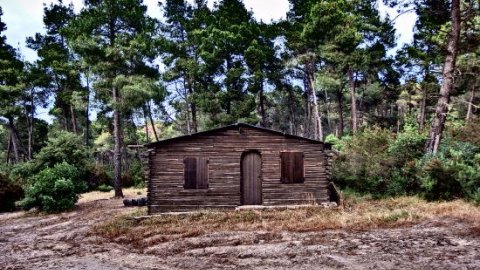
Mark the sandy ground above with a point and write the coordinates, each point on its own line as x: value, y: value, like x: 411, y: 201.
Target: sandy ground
x: 62, y: 242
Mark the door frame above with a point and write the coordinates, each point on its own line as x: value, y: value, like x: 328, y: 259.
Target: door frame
x: 244, y: 153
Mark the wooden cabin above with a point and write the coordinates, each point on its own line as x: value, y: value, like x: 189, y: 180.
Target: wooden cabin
x: 236, y: 165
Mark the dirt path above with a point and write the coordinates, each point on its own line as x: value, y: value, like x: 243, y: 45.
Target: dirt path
x: 62, y: 242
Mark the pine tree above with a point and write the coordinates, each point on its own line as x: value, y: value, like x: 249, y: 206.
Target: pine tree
x: 115, y: 37
x: 57, y: 60
x: 11, y: 88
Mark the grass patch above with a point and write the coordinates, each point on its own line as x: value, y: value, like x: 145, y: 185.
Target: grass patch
x: 359, y: 213
x: 99, y: 195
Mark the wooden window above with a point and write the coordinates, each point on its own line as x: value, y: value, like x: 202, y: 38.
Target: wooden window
x: 195, y: 173
x: 292, y: 170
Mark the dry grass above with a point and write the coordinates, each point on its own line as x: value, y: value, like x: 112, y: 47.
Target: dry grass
x: 359, y: 213
x: 97, y: 195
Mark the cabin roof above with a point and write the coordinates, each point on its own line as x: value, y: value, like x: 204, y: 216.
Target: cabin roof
x: 234, y: 126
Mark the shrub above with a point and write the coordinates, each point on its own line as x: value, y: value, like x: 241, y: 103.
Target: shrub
x: 127, y: 179
x: 97, y: 175
x: 374, y: 161
x: 470, y: 133
x: 409, y: 145
x: 137, y: 173
x: 63, y: 147
x: 104, y: 188
x: 453, y: 173
x: 9, y: 194
x: 438, y: 181
x: 336, y: 142
x: 54, y: 189
x: 21, y: 172
x: 363, y: 164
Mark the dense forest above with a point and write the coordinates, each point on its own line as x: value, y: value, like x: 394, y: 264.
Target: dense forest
x: 114, y: 78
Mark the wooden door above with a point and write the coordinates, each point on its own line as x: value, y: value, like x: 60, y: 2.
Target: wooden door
x: 251, y: 178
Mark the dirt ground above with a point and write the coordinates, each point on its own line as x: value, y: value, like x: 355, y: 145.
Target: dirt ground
x: 65, y: 241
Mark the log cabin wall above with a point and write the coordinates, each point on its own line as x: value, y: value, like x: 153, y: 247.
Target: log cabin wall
x: 223, y: 149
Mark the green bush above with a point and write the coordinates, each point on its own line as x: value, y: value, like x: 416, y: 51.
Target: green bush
x: 137, y: 174
x: 453, y: 173
x: 438, y: 180
x: 336, y: 142
x: 63, y: 147
x: 54, y: 189
x: 67, y: 171
x: 9, y: 194
x: 363, y: 164
x: 97, y: 175
x: 104, y: 188
x: 469, y: 133
x: 21, y: 172
x: 408, y: 145
x: 375, y: 162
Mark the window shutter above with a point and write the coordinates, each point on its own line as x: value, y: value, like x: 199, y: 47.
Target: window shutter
x: 190, y: 173
x: 292, y: 170
x: 285, y: 167
x: 202, y: 173
x: 196, y: 173
x: 298, y: 170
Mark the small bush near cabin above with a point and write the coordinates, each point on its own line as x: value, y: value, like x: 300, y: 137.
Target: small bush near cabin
x: 54, y: 189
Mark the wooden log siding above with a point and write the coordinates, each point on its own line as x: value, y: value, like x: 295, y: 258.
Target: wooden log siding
x: 224, y: 149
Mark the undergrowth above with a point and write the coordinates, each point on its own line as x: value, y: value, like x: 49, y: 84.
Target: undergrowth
x: 358, y: 214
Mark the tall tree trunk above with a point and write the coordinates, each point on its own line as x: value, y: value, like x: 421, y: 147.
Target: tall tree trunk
x: 400, y: 117
x: 65, y: 121
x: 307, y: 122
x: 15, y: 147
x: 327, y: 110
x: 87, y: 117
x: 193, y: 107
x: 423, y: 108
x: 340, y: 113
x: 470, y: 104
x: 261, y: 105
x: 438, y: 123
x: 9, y: 148
x: 117, y: 153
x: 291, y: 110
x: 189, y: 85
x: 30, y: 138
x: 317, y: 120
x: 30, y: 121
x: 73, y: 118
x: 351, y: 82
x: 149, y: 110
x: 145, y: 118
x: 18, y: 149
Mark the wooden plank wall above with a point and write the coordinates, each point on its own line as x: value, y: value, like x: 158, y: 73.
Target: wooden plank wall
x: 223, y: 150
